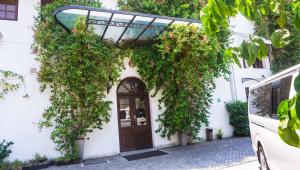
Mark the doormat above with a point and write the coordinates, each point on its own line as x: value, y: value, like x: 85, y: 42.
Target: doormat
x: 144, y: 155
x: 95, y: 161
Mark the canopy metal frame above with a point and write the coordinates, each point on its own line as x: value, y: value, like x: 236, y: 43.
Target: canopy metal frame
x: 143, y: 27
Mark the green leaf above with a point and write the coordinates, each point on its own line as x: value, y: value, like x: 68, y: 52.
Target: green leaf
x: 254, y: 49
x: 251, y: 60
x: 230, y: 3
x: 289, y: 136
x: 216, y: 8
x: 223, y: 7
x: 247, y: 8
x: 263, y: 10
x: 280, y: 38
x: 262, y: 47
x: 245, y: 54
x: 234, y: 54
x: 289, y: 121
x: 281, y: 20
x: 298, y: 108
x: 274, y: 6
x: 297, y: 18
x: 282, y: 110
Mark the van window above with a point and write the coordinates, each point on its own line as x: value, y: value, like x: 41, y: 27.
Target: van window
x: 285, y: 87
x: 275, y: 100
x: 264, y: 100
x: 260, y: 101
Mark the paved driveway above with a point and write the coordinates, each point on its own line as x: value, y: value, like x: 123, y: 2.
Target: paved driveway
x: 226, y: 154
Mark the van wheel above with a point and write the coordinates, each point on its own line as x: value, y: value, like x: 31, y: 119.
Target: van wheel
x: 262, y: 159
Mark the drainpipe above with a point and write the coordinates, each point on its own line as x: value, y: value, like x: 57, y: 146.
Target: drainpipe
x: 232, y: 84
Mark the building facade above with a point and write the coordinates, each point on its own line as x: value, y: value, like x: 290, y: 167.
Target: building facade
x: 19, y: 116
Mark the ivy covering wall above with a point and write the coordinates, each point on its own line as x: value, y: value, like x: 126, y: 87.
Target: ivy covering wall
x: 76, y: 68
x: 9, y: 81
x: 183, y: 65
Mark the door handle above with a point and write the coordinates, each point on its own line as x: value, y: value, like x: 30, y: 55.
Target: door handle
x: 134, y: 121
x: 258, y: 124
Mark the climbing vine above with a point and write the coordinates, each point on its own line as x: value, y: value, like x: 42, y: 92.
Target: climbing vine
x: 182, y: 65
x: 9, y: 81
x: 76, y: 68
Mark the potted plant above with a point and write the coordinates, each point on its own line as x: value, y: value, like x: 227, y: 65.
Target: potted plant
x: 182, y: 138
x: 209, y: 134
x: 219, y: 134
x: 80, y: 147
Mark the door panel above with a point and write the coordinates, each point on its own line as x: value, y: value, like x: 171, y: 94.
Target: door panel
x: 134, y: 122
x: 142, y: 123
x: 126, y: 127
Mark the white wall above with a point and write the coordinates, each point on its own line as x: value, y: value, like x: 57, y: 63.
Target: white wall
x: 255, y: 73
x: 106, y: 141
x: 241, y: 28
x: 19, y: 116
x: 219, y: 117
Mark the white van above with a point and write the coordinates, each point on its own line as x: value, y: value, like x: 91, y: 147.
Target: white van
x: 263, y: 101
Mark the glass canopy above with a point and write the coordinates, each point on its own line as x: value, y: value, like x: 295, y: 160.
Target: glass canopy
x: 120, y: 27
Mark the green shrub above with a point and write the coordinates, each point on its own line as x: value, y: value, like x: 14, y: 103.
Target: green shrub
x: 40, y: 158
x: 16, y: 165
x: 4, y: 165
x: 219, y: 134
x: 4, y: 150
x: 239, y: 117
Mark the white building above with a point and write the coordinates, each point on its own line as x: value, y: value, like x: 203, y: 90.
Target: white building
x: 19, y: 116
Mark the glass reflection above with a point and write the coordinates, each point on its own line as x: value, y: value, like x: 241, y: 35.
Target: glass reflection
x: 156, y: 27
x: 136, y: 28
x: 260, y: 100
x: 99, y: 29
x: 132, y: 86
x: 124, y: 113
x: 100, y: 15
x: 140, y: 113
x: 117, y: 26
x: 68, y: 17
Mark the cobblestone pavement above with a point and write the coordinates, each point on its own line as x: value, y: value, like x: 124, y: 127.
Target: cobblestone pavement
x: 226, y: 154
x: 244, y: 166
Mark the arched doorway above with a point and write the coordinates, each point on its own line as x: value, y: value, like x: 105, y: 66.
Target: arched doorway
x: 133, y: 115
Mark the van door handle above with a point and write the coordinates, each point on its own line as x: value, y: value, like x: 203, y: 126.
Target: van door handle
x: 258, y: 124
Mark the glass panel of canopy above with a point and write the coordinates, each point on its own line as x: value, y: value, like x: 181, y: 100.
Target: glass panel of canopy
x: 119, y: 27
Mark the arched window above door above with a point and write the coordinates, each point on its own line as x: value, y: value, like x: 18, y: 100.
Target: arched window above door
x: 131, y: 86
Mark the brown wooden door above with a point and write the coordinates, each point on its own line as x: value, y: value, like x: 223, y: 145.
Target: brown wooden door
x: 134, y: 121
